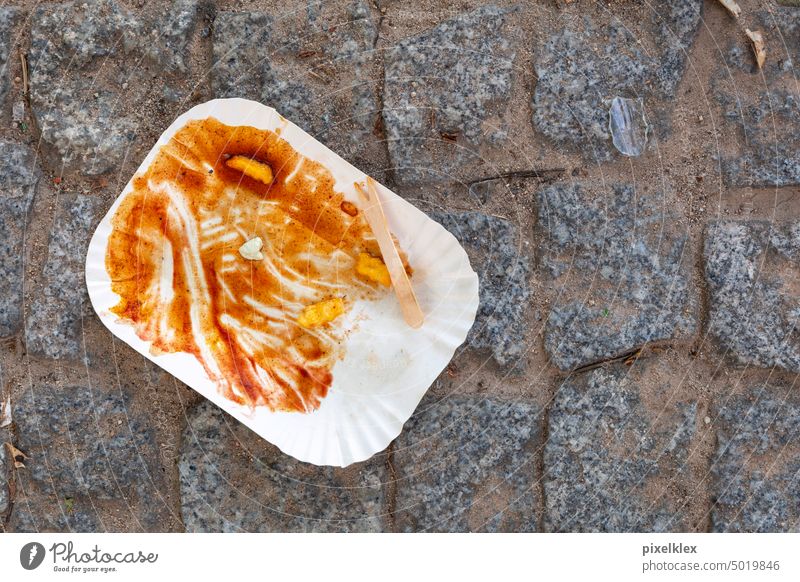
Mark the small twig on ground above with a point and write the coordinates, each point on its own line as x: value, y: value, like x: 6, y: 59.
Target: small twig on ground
x: 24, y: 62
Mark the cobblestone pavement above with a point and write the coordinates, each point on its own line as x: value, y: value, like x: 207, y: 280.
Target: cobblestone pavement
x: 634, y: 360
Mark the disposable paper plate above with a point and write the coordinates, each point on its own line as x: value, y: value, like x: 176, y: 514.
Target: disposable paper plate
x: 387, y: 366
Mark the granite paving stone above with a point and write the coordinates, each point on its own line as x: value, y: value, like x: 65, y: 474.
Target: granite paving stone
x: 6, y: 460
x: 6, y: 473
x: 468, y: 464
x: 496, y: 253
x: 619, y: 266
x: 83, y: 444
x: 756, y: 468
x: 59, y: 301
x: 232, y: 480
x: 764, y: 111
x: 84, y: 440
x: 445, y: 94
x: 18, y: 182
x: 35, y: 512
x: 9, y: 19
x: 96, y: 70
x: 751, y: 269
x: 613, y: 457
x: 581, y: 68
x: 314, y: 65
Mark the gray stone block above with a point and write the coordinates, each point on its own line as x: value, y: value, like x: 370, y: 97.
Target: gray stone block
x: 19, y: 176
x: 621, y: 269
x: 94, y: 65
x: 84, y: 441
x: 34, y: 512
x: 6, y: 474
x: 765, y: 114
x: 751, y: 268
x: 87, y: 448
x: 612, y: 462
x: 770, y: 130
x: 243, y: 68
x: 581, y: 68
x: 59, y: 302
x: 497, y: 254
x: 449, y: 84
x: 232, y: 480
x: 756, y: 468
x: 468, y: 464
x: 314, y: 66
x: 9, y: 20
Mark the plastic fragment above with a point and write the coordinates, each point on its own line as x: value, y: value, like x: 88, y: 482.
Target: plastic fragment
x: 628, y: 126
x: 18, y: 112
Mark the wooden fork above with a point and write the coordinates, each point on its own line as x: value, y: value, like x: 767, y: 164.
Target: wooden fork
x: 373, y: 211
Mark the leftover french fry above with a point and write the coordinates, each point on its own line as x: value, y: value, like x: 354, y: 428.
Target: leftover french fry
x: 321, y: 313
x: 373, y: 269
x: 251, y: 168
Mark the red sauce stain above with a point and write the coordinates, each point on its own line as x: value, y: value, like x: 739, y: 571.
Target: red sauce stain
x: 173, y: 260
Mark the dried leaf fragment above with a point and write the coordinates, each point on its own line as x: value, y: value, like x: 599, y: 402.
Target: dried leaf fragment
x: 17, y: 455
x: 731, y: 7
x: 251, y: 168
x: 5, y: 413
x: 759, y: 48
x: 251, y: 250
x: 321, y: 313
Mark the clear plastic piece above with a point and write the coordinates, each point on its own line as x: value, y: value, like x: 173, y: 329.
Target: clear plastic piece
x: 628, y: 126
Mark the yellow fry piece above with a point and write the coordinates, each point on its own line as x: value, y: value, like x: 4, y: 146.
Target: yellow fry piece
x: 373, y: 269
x: 251, y: 168
x: 321, y: 313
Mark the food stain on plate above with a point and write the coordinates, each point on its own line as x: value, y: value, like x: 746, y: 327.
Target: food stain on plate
x: 235, y: 248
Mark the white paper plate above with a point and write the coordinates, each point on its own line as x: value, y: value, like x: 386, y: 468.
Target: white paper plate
x: 388, y: 366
